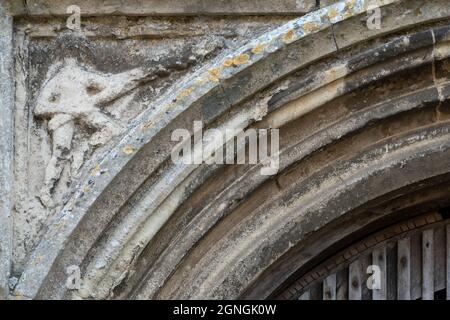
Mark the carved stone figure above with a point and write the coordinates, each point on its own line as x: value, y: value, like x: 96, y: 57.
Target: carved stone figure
x: 77, y: 94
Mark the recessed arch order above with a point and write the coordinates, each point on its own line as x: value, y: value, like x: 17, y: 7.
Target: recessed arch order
x: 363, y: 121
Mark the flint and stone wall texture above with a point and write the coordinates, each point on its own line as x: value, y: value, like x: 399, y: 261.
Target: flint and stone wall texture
x: 87, y: 115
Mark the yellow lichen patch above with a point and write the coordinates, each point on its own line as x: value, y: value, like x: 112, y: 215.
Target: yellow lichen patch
x: 62, y: 224
x: 335, y: 73
x: 446, y: 65
x: 128, y: 150
x: 350, y: 4
x: 332, y: 13
x: 241, y: 59
x: 347, y: 14
x: 310, y: 26
x: 185, y: 92
x: 237, y: 60
x: 96, y: 170
x: 258, y: 48
x: 289, y: 36
x: 200, y: 81
x: 228, y: 62
x: 214, y: 74
x: 147, y: 125
x: 170, y: 105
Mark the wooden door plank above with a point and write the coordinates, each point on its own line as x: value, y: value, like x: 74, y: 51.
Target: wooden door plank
x: 329, y: 287
x: 416, y: 266
x: 342, y: 284
x: 427, y: 265
x: 439, y: 259
x: 305, y: 296
x: 391, y: 267
x: 355, y: 279
x: 404, y: 269
x: 316, y: 291
x: 448, y: 262
x: 366, y: 261
x: 379, y: 260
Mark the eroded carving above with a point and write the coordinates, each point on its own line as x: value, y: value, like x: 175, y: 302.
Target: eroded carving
x: 76, y: 94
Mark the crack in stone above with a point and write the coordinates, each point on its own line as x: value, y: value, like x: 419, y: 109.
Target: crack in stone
x: 334, y: 37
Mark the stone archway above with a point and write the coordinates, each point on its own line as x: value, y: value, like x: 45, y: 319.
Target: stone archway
x: 364, y: 143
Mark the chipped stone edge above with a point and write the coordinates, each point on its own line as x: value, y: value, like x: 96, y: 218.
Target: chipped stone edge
x: 175, y: 101
x: 47, y: 8
x: 6, y: 148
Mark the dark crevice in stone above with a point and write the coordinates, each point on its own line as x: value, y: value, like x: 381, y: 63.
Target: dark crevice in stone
x: 334, y: 37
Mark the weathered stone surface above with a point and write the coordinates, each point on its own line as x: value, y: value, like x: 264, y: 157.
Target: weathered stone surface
x: 60, y: 125
x: 167, y: 7
x: 361, y: 112
x: 6, y: 149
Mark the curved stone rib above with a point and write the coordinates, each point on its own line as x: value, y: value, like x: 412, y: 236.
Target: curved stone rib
x: 249, y: 180
x: 98, y: 269
x: 217, y: 207
x: 362, y: 79
x: 124, y: 235
x: 260, y: 232
x: 144, y: 128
